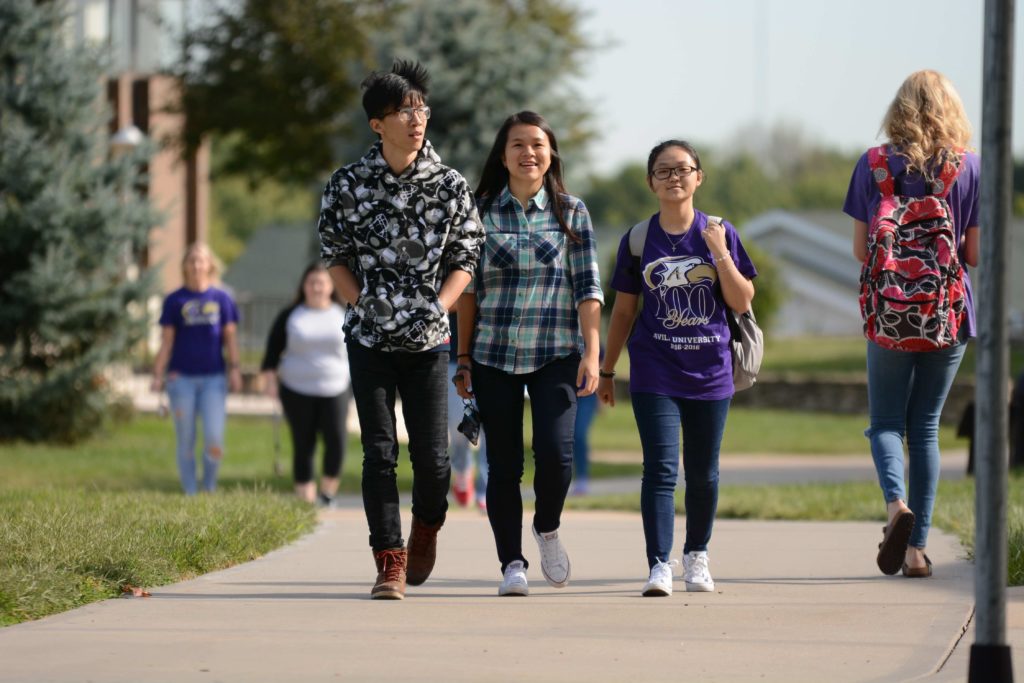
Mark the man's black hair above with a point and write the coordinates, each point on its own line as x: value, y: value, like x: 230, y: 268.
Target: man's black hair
x: 387, y: 91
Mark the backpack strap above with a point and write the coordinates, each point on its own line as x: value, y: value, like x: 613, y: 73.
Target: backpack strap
x: 879, y: 162
x: 941, y: 186
x: 715, y: 219
x: 638, y: 238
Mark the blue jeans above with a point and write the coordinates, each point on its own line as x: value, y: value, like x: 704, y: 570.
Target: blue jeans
x: 202, y: 397
x: 906, y: 392
x: 658, y: 419
x: 586, y: 410
x: 499, y: 394
x: 459, y: 446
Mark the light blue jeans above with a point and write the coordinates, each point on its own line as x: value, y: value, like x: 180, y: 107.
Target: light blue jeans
x: 202, y: 397
x: 906, y: 392
x: 459, y: 447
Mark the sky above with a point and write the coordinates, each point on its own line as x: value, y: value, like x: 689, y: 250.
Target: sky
x: 704, y: 69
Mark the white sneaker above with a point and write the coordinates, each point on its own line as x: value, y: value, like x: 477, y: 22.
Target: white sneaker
x: 554, y: 561
x: 696, y: 573
x: 660, y: 582
x: 514, y: 580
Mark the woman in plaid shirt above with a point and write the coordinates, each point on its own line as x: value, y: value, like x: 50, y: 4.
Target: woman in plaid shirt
x: 529, y: 320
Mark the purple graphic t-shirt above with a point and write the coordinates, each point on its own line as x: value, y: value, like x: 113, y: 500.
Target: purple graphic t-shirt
x: 198, y: 319
x: 863, y: 197
x: 680, y: 343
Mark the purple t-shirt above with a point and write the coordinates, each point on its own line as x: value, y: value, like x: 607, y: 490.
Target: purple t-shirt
x: 198, y: 319
x: 680, y: 343
x: 863, y: 197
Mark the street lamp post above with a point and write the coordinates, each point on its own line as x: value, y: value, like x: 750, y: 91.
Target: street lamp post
x: 990, y: 660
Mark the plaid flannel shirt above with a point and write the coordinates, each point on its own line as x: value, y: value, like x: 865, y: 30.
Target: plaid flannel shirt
x: 530, y: 282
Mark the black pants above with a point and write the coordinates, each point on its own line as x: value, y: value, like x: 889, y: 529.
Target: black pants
x: 420, y: 379
x: 309, y: 416
x: 553, y: 406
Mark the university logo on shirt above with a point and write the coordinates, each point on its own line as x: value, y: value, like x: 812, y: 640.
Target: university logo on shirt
x: 197, y: 312
x: 684, y: 287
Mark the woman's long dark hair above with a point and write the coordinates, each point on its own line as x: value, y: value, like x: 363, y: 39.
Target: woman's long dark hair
x: 314, y: 267
x: 495, y: 176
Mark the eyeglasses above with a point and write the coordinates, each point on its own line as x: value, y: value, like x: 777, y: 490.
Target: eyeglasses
x: 405, y: 114
x: 666, y: 173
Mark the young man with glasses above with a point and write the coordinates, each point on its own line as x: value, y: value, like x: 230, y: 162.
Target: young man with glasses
x: 400, y: 235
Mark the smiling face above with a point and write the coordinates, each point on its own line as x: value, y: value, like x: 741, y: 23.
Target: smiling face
x: 402, y: 138
x: 527, y: 156
x: 675, y: 188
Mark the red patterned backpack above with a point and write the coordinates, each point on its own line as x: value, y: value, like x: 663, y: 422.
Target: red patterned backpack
x: 912, y: 293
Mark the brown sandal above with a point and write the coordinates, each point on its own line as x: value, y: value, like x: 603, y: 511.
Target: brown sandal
x: 893, y: 548
x: 918, y: 572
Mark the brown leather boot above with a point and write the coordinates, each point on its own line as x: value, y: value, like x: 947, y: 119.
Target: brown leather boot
x: 390, y: 574
x: 422, y: 550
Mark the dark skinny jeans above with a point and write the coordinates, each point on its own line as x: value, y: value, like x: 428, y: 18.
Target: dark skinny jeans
x: 420, y: 379
x: 553, y: 405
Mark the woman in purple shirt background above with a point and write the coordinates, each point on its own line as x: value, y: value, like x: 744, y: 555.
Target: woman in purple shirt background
x: 926, y: 126
x: 198, y: 322
x: 689, y: 272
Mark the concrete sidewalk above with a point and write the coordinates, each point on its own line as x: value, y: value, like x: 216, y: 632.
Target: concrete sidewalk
x: 794, y: 602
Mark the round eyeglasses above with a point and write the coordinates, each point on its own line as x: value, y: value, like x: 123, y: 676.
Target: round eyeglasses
x: 405, y: 114
x: 666, y: 173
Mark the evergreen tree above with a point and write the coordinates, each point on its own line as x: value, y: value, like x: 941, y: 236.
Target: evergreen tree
x: 71, y: 224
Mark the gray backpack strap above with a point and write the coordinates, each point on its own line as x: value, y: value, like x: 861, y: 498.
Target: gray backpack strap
x: 638, y: 237
x: 715, y: 219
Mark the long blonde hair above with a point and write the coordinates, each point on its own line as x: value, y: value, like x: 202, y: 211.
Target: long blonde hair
x: 926, y: 122
x: 215, y: 263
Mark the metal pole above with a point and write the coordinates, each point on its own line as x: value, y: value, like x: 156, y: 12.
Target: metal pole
x: 990, y: 654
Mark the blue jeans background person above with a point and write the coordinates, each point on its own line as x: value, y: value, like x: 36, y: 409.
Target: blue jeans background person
x: 202, y: 397
x: 906, y: 392
x: 198, y: 327
x: 586, y: 411
x: 465, y: 457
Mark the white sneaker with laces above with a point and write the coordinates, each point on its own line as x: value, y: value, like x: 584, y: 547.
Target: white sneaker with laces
x: 554, y: 561
x: 660, y: 582
x: 514, y: 580
x: 696, y: 573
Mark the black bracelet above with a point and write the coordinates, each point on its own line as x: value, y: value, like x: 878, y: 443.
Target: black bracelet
x: 464, y: 355
x: 606, y: 375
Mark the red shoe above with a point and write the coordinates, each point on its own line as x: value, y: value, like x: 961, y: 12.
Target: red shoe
x: 462, y: 488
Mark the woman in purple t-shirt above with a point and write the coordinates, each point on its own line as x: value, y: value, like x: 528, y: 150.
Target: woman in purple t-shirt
x: 926, y: 126
x: 687, y: 273
x: 197, y: 323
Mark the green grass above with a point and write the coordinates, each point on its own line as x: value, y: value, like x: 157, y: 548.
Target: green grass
x: 852, y: 501
x: 63, y: 548
x: 845, y: 355
x: 760, y: 431
x: 81, y: 522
